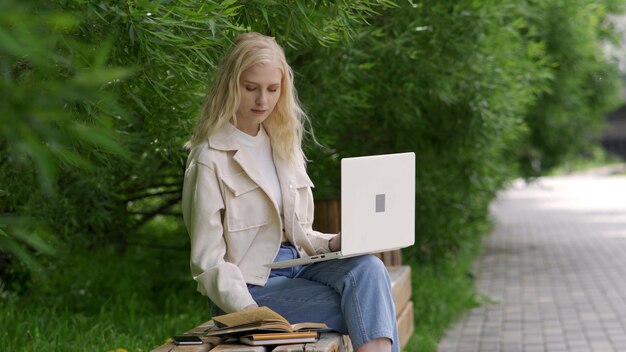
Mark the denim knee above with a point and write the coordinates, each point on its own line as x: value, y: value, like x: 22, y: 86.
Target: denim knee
x: 370, y: 268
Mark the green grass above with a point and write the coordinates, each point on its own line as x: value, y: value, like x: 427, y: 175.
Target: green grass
x: 133, y: 301
x: 443, y: 291
x: 104, y: 301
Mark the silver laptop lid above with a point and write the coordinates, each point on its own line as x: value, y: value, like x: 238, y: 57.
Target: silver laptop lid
x: 377, y: 203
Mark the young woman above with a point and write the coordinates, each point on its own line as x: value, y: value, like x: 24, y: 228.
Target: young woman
x: 247, y: 201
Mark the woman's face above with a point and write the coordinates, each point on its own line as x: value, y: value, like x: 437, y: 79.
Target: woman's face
x: 259, y: 88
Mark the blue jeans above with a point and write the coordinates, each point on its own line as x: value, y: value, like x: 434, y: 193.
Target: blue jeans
x: 352, y: 296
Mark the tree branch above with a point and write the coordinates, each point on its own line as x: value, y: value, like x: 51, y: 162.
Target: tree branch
x: 148, y: 216
x: 170, y: 213
x: 147, y: 195
x: 158, y: 246
x: 157, y: 185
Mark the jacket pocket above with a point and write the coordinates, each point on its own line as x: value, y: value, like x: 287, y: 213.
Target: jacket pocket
x: 246, y: 203
x: 302, y: 205
x: 303, y: 199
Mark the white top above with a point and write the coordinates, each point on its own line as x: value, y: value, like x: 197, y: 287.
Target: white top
x: 260, y: 149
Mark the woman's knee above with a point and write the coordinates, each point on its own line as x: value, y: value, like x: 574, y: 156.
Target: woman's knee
x: 370, y: 266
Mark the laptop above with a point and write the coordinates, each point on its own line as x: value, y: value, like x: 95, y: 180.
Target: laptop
x: 377, y: 207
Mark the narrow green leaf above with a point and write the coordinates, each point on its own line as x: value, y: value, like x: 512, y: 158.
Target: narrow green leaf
x: 98, y: 76
x: 45, y: 166
x: 100, y: 137
x: 9, y: 244
x: 33, y: 240
x: 75, y: 159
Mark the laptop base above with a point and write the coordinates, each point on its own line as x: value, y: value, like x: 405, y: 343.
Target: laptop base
x: 305, y: 260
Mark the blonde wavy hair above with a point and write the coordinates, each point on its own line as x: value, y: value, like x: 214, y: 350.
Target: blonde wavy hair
x: 285, y: 125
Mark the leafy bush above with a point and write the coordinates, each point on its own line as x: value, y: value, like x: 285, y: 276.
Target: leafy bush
x: 55, y: 122
x: 569, y: 114
x: 76, y: 113
x: 475, y: 89
x: 441, y: 79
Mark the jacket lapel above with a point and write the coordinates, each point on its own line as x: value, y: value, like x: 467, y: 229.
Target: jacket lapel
x: 223, y: 139
x: 248, y: 165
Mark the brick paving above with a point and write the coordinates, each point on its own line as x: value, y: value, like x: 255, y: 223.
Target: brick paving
x: 553, y: 271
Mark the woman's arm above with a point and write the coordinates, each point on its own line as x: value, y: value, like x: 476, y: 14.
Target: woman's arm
x: 322, y: 242
x: 203, y: 205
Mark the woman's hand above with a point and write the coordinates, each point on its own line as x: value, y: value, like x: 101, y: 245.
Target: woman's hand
x: 335, y: 243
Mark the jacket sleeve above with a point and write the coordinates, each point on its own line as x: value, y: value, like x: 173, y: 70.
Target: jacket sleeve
x: 202, y: 206
x: 319, y: 240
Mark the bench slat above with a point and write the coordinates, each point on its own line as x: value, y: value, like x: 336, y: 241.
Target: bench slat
x: 239, y: 348
x: 328, y: 342
x: 406, y: 325
x: 400, y: 285
x: 401, y: 288
x: 171, y: 347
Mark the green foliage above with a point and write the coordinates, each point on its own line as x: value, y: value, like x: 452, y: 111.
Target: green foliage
x: 467, y: 86
x: 93, y: 85
x: 569, y: 115
x: 595, y: 157
x: 444, y: 80
x: 55, y: 117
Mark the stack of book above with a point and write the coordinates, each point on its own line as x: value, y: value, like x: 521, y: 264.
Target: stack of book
x: 263, y: 326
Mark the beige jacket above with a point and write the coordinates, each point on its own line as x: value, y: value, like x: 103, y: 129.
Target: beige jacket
x: 234, y: 225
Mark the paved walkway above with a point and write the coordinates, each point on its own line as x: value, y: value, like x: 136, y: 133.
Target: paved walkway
x: 553, y: 271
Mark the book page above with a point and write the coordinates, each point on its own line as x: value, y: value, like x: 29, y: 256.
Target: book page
x: 249, y: 316
x: 309, y: 326
x: 271, y: 325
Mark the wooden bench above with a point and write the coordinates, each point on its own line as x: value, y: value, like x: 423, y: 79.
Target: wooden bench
x: 327, y: 219
x: 329, y: 342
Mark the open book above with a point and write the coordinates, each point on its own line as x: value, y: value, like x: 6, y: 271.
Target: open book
x: 261, y: 319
